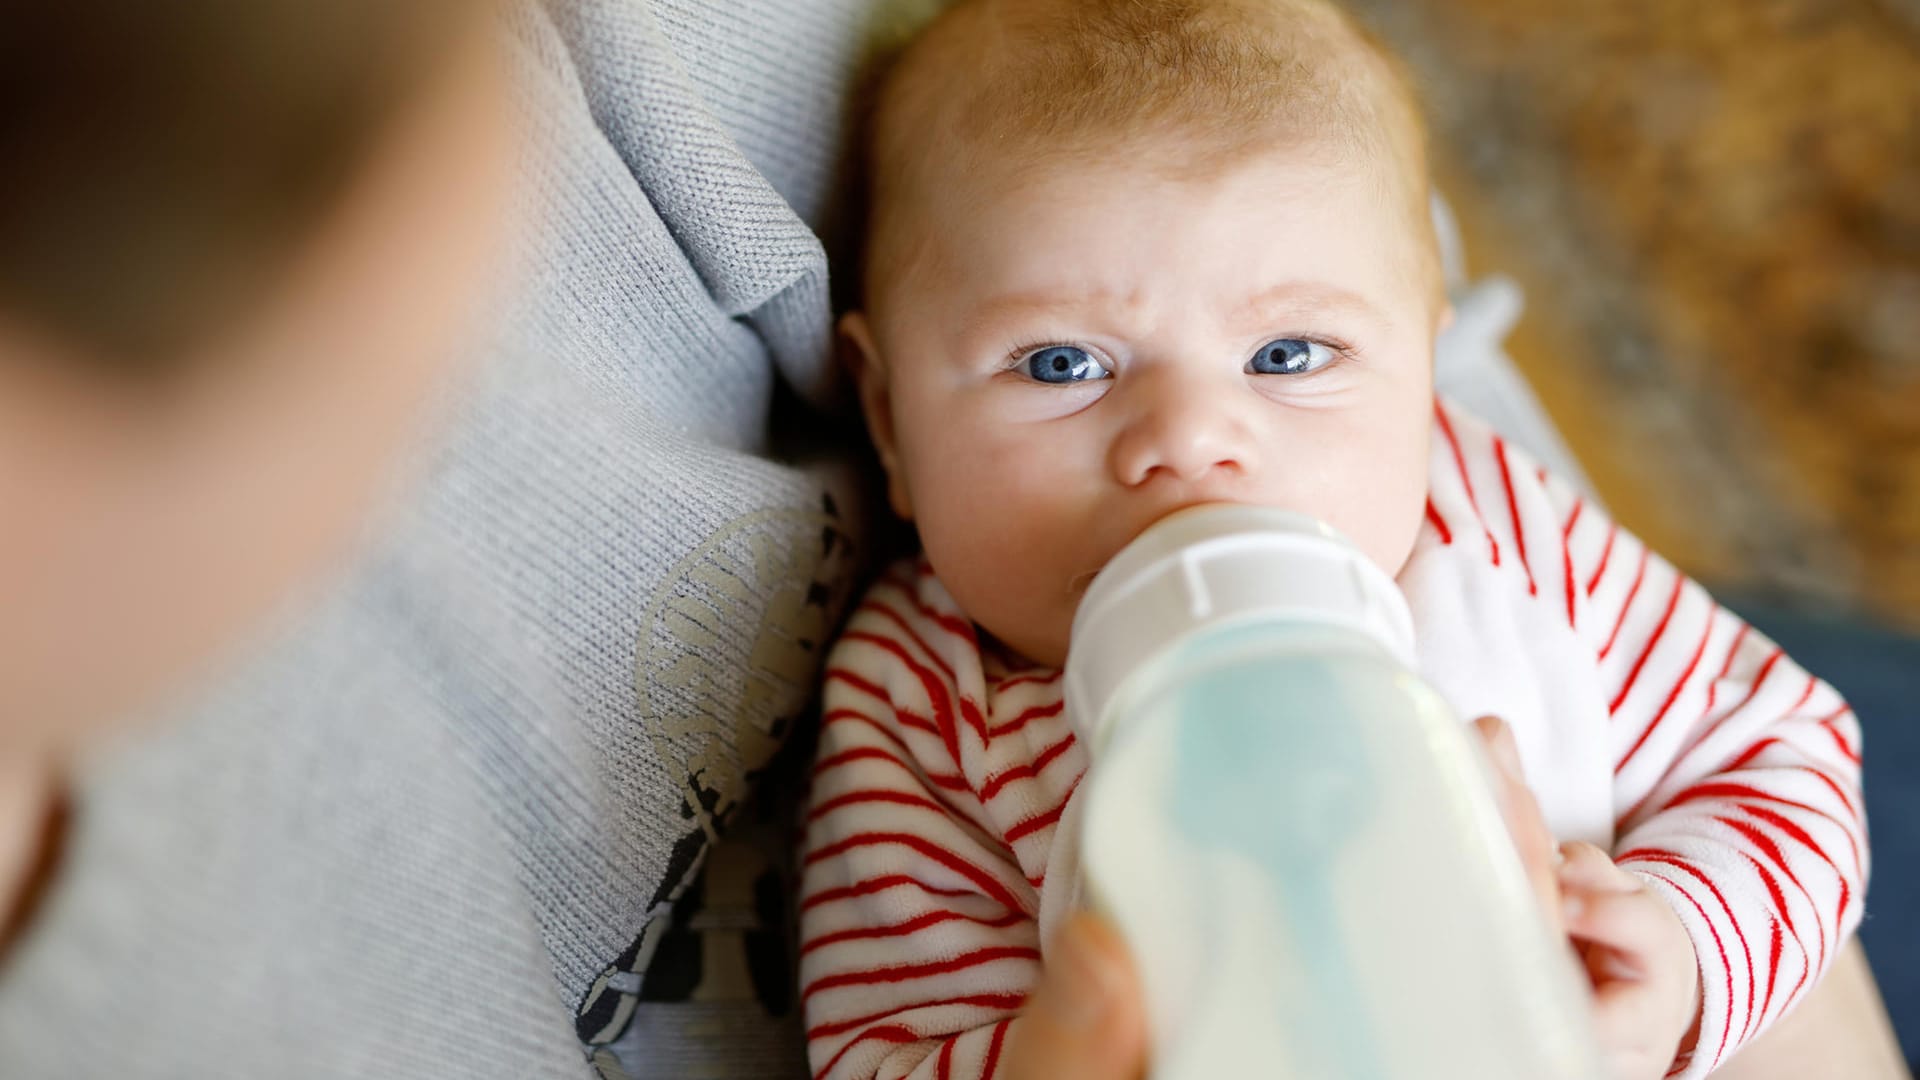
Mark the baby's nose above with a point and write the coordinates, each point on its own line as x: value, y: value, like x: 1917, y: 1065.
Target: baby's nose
x: 1183, y: 431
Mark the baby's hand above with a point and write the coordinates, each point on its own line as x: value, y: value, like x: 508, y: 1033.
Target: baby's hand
x: 1646, y: 980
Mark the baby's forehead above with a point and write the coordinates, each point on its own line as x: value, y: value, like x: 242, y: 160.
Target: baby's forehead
x: 1005, y: 71
x: 994, y: 87
x: 1196, y: 82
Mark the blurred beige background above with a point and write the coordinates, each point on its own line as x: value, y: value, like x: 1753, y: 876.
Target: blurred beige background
x: 1714, y: 210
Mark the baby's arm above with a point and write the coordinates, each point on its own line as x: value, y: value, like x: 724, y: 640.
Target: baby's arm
x: 1736, y: 778
x: 918, y: 938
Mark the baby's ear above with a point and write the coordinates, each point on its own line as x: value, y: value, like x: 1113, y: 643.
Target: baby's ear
x: 870, y: 374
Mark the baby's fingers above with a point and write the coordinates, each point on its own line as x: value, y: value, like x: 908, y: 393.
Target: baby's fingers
x: 1587, y: 868
x: 1627, y: 923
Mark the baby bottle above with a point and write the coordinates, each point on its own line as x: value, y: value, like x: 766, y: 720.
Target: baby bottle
x: 1296, y: 837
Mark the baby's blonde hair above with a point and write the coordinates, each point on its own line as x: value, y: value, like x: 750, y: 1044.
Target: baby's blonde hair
x: 1213, y: 81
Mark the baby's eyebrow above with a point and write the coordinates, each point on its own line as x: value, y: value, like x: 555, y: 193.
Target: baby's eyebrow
x: 1015, y: 305
x: 1290, y: 299
x: 1293, y: 298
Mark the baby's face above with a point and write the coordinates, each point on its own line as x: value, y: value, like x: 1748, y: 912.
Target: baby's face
x: 1082, y: 350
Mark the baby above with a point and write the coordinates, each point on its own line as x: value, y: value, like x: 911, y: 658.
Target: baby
x: 1126, y: 256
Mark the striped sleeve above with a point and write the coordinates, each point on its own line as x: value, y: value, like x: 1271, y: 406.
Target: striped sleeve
x: 918, y: 934
x: 1736, y: 778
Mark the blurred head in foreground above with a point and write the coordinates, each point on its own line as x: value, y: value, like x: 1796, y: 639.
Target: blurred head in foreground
x: 239, y: 241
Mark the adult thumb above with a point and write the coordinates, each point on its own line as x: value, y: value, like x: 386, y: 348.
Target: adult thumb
x: 1086, y: 1020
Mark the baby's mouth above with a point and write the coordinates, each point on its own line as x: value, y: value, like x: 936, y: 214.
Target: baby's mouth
x: 1077, y: 585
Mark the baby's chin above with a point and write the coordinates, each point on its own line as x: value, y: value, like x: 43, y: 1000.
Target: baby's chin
x: 1047, y: 648
x: 1046, y: 655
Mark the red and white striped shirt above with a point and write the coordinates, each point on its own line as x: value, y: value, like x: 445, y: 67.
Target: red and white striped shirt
x: 940, y: 846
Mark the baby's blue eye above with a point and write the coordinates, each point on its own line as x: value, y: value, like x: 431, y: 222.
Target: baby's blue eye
x: 1063, y: 364
x: 1290, y: 356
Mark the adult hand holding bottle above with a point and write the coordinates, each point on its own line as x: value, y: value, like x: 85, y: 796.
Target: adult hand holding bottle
x: 1087, y: 1019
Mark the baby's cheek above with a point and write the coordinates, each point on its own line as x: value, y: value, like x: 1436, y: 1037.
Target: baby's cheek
x: 1400, y: 515
x: 1009, y: 559
x: 1392, y: 544
x: 1013, y: 596
x: 1380, y: 505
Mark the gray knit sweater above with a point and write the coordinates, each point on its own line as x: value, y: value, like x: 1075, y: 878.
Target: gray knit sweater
x: 438, y: 826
